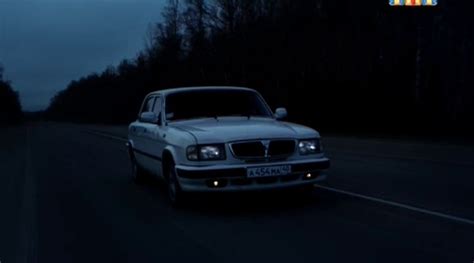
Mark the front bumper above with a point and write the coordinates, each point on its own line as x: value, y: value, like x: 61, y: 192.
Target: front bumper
x: 234, y: 177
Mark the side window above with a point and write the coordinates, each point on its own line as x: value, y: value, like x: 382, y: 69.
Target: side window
x: 148, y: 106
x: 158, y: 106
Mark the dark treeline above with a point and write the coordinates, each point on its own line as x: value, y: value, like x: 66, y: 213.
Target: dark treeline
x: 10, y: 108
x: 335, y: 64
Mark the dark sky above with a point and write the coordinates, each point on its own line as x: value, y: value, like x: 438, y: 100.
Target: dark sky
x: 44, y: 44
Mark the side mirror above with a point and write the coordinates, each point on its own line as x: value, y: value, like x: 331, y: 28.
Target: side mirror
x: 281, y: 113
x: 149, y: 117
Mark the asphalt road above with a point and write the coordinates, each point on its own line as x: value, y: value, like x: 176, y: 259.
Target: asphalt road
x: 66, y: 196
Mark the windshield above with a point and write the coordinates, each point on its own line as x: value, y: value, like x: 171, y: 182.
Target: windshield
x: 215, y: 103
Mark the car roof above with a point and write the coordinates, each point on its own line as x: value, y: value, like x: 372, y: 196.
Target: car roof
x: 166, y: 92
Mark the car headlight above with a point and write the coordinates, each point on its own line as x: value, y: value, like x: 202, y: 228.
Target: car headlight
x: 309, y: 147
x: 206, y: 152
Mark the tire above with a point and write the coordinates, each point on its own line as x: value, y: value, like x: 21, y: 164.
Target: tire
x: 138, y: 174
x: 307, y: 189
x: 175, y: 193
x: 303, y: 191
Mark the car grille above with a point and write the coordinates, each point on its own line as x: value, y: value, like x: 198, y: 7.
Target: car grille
x: 248, y: 150
x: 281, y: 148
x: 257, y: 150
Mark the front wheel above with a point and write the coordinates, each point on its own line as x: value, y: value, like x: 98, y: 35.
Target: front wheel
x: 175, y: 193
x: 138, y: 174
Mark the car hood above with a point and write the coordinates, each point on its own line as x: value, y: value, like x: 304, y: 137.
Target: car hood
x: 230, y: 129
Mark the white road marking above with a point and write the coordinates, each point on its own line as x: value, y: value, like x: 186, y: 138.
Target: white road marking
x: 106, y: 135
x: 400, y: 205
x: 404, y: 158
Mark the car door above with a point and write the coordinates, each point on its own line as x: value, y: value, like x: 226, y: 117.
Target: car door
x: 138, y: 131
x: 153, y: 141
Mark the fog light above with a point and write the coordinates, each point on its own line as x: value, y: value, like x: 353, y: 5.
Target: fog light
x: 216, y: 183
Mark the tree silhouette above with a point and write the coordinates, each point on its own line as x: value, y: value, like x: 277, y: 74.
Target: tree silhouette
x: 10, y: 108
x: 341, y: 65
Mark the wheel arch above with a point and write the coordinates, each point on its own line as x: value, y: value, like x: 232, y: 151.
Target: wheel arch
x: 130, y: 146
x: 168, y: 159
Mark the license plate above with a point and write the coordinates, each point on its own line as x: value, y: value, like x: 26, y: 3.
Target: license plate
x: 268, y: 171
